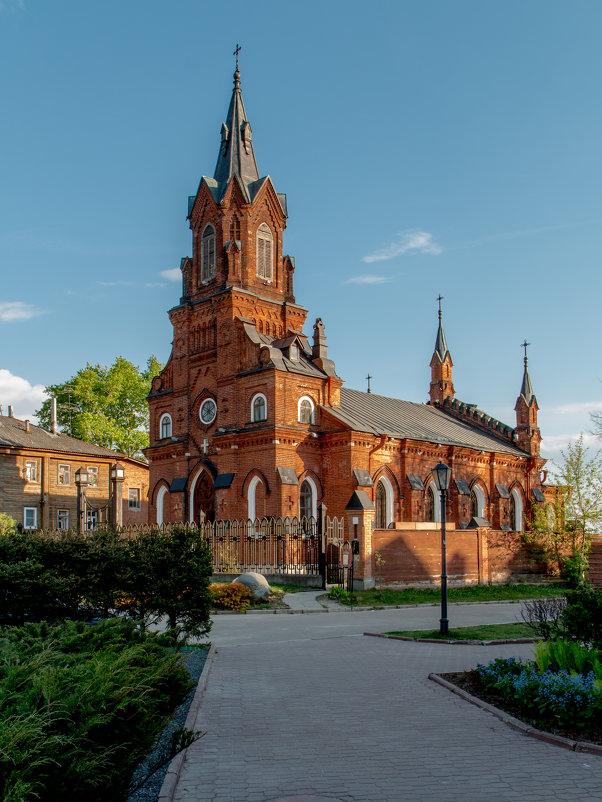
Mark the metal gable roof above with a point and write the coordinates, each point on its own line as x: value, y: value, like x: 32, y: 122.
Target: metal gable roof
x: 377, y: 414
x: 14, y: 435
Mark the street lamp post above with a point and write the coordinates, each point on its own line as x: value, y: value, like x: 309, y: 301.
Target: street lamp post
x: 442, y: 477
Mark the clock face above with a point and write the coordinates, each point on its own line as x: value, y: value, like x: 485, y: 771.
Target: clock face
x: 208, y: 411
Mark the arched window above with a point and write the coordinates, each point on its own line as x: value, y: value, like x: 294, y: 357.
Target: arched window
x: 516, y: 510
x: 258, y: 408
x: 208, y: 254
x: 432, y: 504
x: 160, y: 503
x: 306, y: 410
x: 380, y: 502
x: 308, y: 499
x: 252, y: 498
x: 477, y: 502
x: 265, y: 256
x: 383, y: 502
x: 165, y: 426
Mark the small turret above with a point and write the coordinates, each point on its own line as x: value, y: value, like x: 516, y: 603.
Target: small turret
x: 526, y: 434
x: 442, y: 386
x: 319, y: 352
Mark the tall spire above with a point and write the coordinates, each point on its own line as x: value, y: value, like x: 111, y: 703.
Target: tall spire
x: 442, y: 386
x: 236, y: 155
x: 526, y: 389
x: 441, y: 348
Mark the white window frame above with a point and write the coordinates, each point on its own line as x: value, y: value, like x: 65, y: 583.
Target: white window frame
x: 313, y: 409
x: 207, y: 254
x: 33, y: 510
x: 252, y: 498
x: 481, y: 501
x: 92, y: 471
x: 31, y: 470
x: 314, y: 496
x: 256, y: 398
x: 62, y: 517
x: 161, y: 493
x: 165, y: 421
x: 137, y: 505
x: 66, y: 469
x: 265, y: 253
x: 91, y: 520
x: 518, y: 523
x: 388, y: 488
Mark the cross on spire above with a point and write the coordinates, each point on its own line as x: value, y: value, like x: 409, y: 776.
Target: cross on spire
x: 524, y: 345
x: 368, y: 377
x: 236, y: 52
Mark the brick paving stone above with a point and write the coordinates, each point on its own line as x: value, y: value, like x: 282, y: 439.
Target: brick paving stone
x: 310, y: 710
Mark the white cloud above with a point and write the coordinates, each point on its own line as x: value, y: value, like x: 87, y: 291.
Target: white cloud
x: 173, y: 274
x: 17, y: 310
x: 556, y: 442
x: 115, y: 283
x: 24, y: 397
x: 411, y: 241
x: 574, y: 409
x: 367, y: 279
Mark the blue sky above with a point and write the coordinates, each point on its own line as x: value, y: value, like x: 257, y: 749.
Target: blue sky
x: 449, y: 147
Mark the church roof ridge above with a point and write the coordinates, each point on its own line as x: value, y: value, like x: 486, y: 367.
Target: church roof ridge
x: 382, y: 415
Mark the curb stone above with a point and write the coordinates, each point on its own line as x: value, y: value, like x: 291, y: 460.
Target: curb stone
x: 517, y: 724
x: 497, y: 642
x: 168, y: 789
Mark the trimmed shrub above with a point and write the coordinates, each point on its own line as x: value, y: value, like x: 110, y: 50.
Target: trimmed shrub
x: 148, y: 575
x: 231, y: 596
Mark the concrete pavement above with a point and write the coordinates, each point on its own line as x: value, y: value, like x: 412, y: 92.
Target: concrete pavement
x: 304, y: 706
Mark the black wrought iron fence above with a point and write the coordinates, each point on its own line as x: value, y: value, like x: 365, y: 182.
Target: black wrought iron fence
x: 267, y: 546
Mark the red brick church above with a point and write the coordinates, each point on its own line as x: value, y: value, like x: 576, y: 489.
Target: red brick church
x: 250, y: 419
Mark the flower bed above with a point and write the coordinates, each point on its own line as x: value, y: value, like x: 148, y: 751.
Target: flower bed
x: 560, y: 702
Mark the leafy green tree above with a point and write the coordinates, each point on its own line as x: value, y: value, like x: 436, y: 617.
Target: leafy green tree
x: 581, y: 474
x: 105, y: 405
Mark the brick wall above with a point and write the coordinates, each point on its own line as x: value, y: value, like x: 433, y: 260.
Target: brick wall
x: 413, y: 556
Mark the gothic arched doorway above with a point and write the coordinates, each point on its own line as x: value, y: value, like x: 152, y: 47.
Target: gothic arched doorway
x: 204, y: 498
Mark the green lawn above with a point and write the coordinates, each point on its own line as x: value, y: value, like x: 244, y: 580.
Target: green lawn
x: 484, y: 632
x: 377, y: 597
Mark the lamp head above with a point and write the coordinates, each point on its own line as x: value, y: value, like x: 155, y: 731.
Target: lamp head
x: 442, y: 476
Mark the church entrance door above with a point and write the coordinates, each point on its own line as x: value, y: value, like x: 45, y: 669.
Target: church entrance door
x: 204, y: 498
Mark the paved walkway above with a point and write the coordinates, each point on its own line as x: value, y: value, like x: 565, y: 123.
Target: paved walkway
x: 304, y: 707
x: 305, y: 601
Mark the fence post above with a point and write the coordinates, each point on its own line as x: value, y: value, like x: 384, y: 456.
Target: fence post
x: 322, y: 542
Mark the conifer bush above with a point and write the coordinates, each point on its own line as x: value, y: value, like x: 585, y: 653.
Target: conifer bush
x: 81, y: 705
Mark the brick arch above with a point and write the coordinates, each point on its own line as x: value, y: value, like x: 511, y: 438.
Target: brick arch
x: 309, y: 474
x: 255, y: 488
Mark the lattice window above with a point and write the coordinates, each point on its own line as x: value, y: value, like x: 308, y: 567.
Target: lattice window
x: 208, y: 254
x: 306, y: 500
x: 265, y: 253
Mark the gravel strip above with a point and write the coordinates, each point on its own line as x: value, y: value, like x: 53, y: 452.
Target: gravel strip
x: 194, y: 662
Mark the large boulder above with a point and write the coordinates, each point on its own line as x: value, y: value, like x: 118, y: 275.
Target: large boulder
x: 257, y: 584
